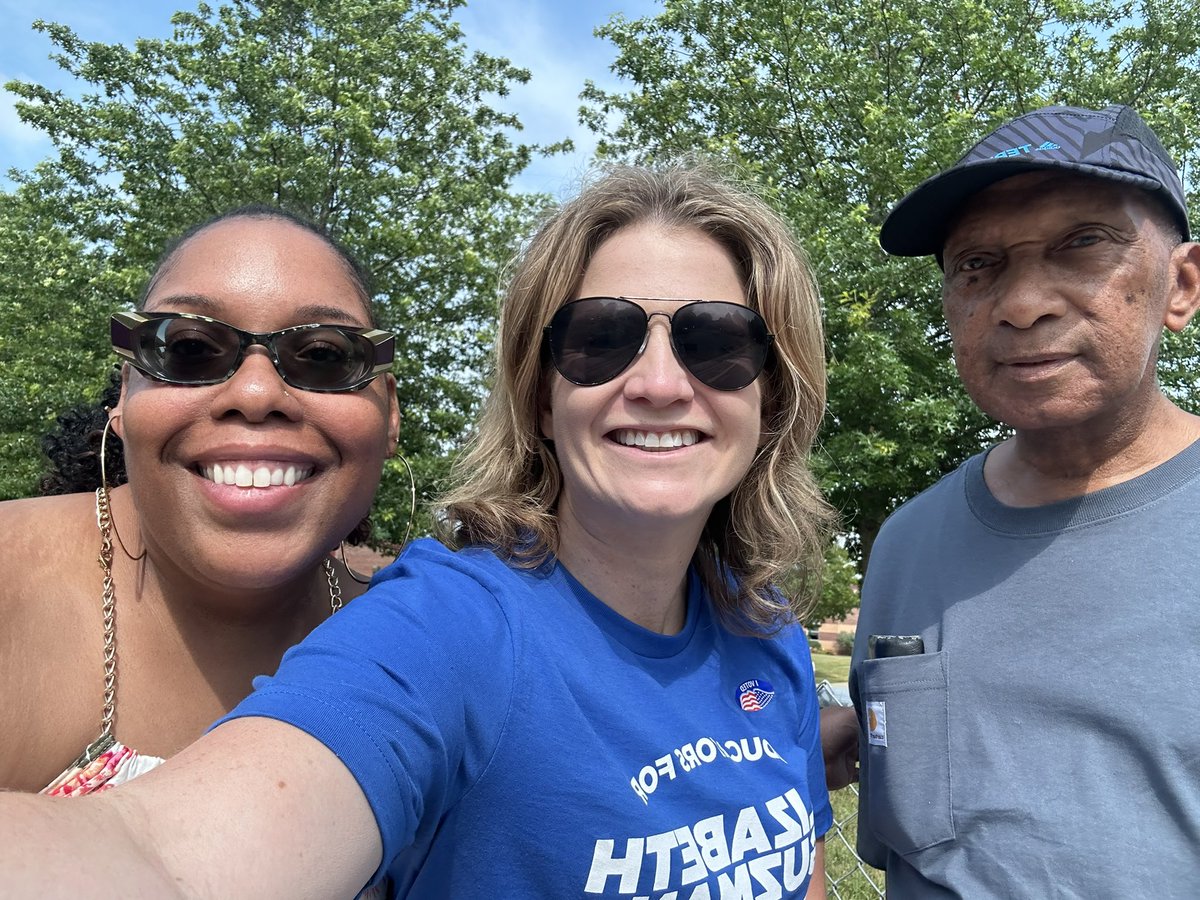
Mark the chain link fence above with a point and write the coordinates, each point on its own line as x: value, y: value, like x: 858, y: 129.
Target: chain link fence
x: 846, y: 876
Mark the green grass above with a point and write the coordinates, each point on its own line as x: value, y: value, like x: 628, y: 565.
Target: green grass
x: 831, y: 668
x: 846, y: 877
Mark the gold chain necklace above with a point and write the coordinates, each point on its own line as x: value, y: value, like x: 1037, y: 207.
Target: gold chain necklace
x: 109, y: 610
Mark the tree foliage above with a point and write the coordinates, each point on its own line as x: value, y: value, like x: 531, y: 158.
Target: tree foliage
x: 839, y: 587
x: 837, y: 109
x: 369, y: 117
x: 53, y: 309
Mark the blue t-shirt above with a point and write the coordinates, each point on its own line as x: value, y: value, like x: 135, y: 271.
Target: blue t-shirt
x: 516, y: 737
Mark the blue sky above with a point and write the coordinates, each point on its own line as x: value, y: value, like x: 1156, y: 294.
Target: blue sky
x: 551, y: 38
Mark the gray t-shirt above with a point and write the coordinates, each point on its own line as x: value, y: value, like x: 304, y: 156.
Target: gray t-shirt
x: 1047, y: 742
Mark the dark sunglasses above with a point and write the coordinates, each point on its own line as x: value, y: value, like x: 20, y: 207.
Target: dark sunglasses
x: 593, y: 340
x: 179, y: 348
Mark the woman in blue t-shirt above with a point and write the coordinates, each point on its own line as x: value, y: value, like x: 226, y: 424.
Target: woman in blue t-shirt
x: 588, y: 686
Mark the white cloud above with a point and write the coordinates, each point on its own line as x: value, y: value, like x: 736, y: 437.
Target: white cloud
x: 555, y: 42
x: 21, y: 145
x: 551, y: 38
x: 14, y: 131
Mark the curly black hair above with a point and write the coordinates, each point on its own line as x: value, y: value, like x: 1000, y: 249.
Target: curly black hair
x: 72, y: 448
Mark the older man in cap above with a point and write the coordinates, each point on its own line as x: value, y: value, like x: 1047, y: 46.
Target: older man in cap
x: 1026, y: 666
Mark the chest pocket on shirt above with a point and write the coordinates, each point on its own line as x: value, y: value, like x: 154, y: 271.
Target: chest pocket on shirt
x: 905, y: 707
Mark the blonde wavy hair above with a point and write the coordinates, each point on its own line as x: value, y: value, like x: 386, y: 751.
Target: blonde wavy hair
x: 506, y: 482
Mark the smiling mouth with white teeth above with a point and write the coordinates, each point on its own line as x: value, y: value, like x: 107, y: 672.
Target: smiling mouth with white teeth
x: 259, y: 476
x: 656, y: 440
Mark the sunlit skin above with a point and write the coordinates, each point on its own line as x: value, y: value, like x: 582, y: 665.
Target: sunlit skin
x: 260, y: 276
x: 1056, y: 291
x: 226, y: 578
x: 627, y: 513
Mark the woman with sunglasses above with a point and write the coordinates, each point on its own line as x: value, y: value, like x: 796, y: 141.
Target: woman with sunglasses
x: 590, y: 686
x: 255, y: 412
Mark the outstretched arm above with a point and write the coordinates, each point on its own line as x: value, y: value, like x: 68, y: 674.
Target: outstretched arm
x: 254, y: 808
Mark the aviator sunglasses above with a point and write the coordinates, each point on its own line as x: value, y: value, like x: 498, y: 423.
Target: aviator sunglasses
x: 180, y: 348
x: 593, y: 340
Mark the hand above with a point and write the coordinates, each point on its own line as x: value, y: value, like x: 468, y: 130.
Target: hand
x: 839, y: 746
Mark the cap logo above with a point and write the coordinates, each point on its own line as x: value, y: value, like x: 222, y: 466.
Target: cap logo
x: 1027, y: 148
x: 755, y: 694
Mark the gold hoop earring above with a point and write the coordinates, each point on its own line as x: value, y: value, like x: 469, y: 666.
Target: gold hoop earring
x: 412, y: 494
x: 349, y: 571
x: 412, y: 514
x: 104, y: 487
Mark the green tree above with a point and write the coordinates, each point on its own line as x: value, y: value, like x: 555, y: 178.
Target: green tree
x: 368, y: 116
x: 837, y: 109
x: 839, y: 587
x: 53, y: 310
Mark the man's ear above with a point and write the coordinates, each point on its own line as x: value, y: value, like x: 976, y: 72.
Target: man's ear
x: 1184, y: 286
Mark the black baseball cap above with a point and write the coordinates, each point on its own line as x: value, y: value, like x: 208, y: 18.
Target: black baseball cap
x: 1114, y: 144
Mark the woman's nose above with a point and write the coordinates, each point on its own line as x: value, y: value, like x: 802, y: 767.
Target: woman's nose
x: 657, y: 375
x: 256, y: 391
